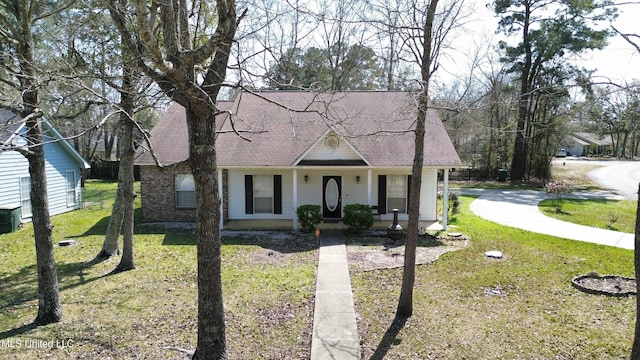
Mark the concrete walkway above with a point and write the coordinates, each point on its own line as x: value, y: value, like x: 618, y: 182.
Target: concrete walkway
x: 519, y: 209
x: 335, y: 331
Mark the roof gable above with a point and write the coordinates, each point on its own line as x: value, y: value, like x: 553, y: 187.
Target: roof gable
x: 331, y: 148
x: 13, y: 127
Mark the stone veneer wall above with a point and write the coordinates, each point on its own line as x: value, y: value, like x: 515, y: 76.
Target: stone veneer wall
x: 159, y: 196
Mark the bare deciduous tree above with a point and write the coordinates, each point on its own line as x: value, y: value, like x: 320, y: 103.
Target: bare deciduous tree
x: 405, y: 303
x: 22, y: 75
x: 126, y: 193
x: 189, y: 63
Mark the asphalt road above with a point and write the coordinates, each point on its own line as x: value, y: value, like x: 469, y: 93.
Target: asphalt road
x: 621, y: 176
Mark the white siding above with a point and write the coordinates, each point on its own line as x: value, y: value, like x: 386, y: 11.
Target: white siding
x: 310, y: 192
x: 236, y: 194
x: 428, y: 192
x: 352, y: 191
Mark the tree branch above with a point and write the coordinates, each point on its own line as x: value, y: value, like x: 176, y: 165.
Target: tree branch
x: 118, y: 17
x: 628, y: 38
x: 150, y: 41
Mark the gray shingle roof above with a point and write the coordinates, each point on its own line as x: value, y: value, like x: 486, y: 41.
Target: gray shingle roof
x: 9, y: 124
x: 282, y: 126
x: 593, y: 138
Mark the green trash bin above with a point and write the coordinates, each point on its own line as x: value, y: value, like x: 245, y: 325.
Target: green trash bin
x: 9, y: 218
x: 502, y: 175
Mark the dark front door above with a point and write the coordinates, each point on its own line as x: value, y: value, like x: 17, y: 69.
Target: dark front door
x: 332, y: 197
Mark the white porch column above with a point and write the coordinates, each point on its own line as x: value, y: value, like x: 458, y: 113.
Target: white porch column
x: 445, y: 199
x: 295, y: 199
x: 369, y: 200
x: 221, y: 197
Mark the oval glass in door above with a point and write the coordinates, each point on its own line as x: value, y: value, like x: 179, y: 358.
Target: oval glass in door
x: 332, y: 195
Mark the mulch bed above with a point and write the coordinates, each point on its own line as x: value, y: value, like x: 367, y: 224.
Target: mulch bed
x: 611, y: 285
x: 376, y: 253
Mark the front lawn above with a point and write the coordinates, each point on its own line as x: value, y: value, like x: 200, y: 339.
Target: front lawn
x: 151, y: 312
x: 467, y: 306
x: 617, y: 215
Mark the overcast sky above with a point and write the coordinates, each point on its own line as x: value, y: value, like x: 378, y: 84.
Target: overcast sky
x: 619, y: 61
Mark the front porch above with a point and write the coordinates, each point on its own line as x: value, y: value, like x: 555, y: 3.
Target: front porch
x: 259, y: 198
x: 287, y: 225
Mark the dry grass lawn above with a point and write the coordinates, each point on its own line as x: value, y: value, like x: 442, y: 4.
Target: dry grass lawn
x: 151, y: 312
x: 574, y: 173
x: 467, y: 306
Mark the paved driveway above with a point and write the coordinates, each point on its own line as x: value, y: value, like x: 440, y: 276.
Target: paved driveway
x: 620, y: 176
x: 519, y: 209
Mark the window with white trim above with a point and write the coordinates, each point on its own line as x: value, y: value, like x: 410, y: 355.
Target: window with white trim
x: 263, y: 194
x: 397, y: 193
x: 71, y: 188
x: 25, y: 196
x: 185, y: 191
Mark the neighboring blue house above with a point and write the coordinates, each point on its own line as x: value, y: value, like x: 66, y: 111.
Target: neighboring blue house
x: 63, y: 168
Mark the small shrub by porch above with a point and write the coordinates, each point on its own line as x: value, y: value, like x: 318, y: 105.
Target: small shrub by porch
x: 309, y: 216
x: 358, y: 217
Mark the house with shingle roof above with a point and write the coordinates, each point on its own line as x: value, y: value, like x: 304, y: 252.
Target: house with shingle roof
x: 63, y: 166
x: 279, y: 150
x: 587, y: 144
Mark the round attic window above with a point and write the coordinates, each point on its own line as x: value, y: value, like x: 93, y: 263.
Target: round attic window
x: 332, y: 142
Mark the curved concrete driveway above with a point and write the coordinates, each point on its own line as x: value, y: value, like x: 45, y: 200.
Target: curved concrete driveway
x: 519, y: 209
x: 621, y: 176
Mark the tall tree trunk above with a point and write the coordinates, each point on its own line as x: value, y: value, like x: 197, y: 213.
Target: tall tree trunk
x: 126, y: 167
x: 635, y: 350
x: 633, y: 144
x: 519, y: 159
x: 405, y: 303
x: 127, y: 99
x: 112, y: 236
x: 180, y: 72
x: 123, y: 206
x: 114, y: 229
x: 109, y: 140
x: 49, y: 308
x: 623, y: 147
x: 202, y: 160
x: 489, y: 164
